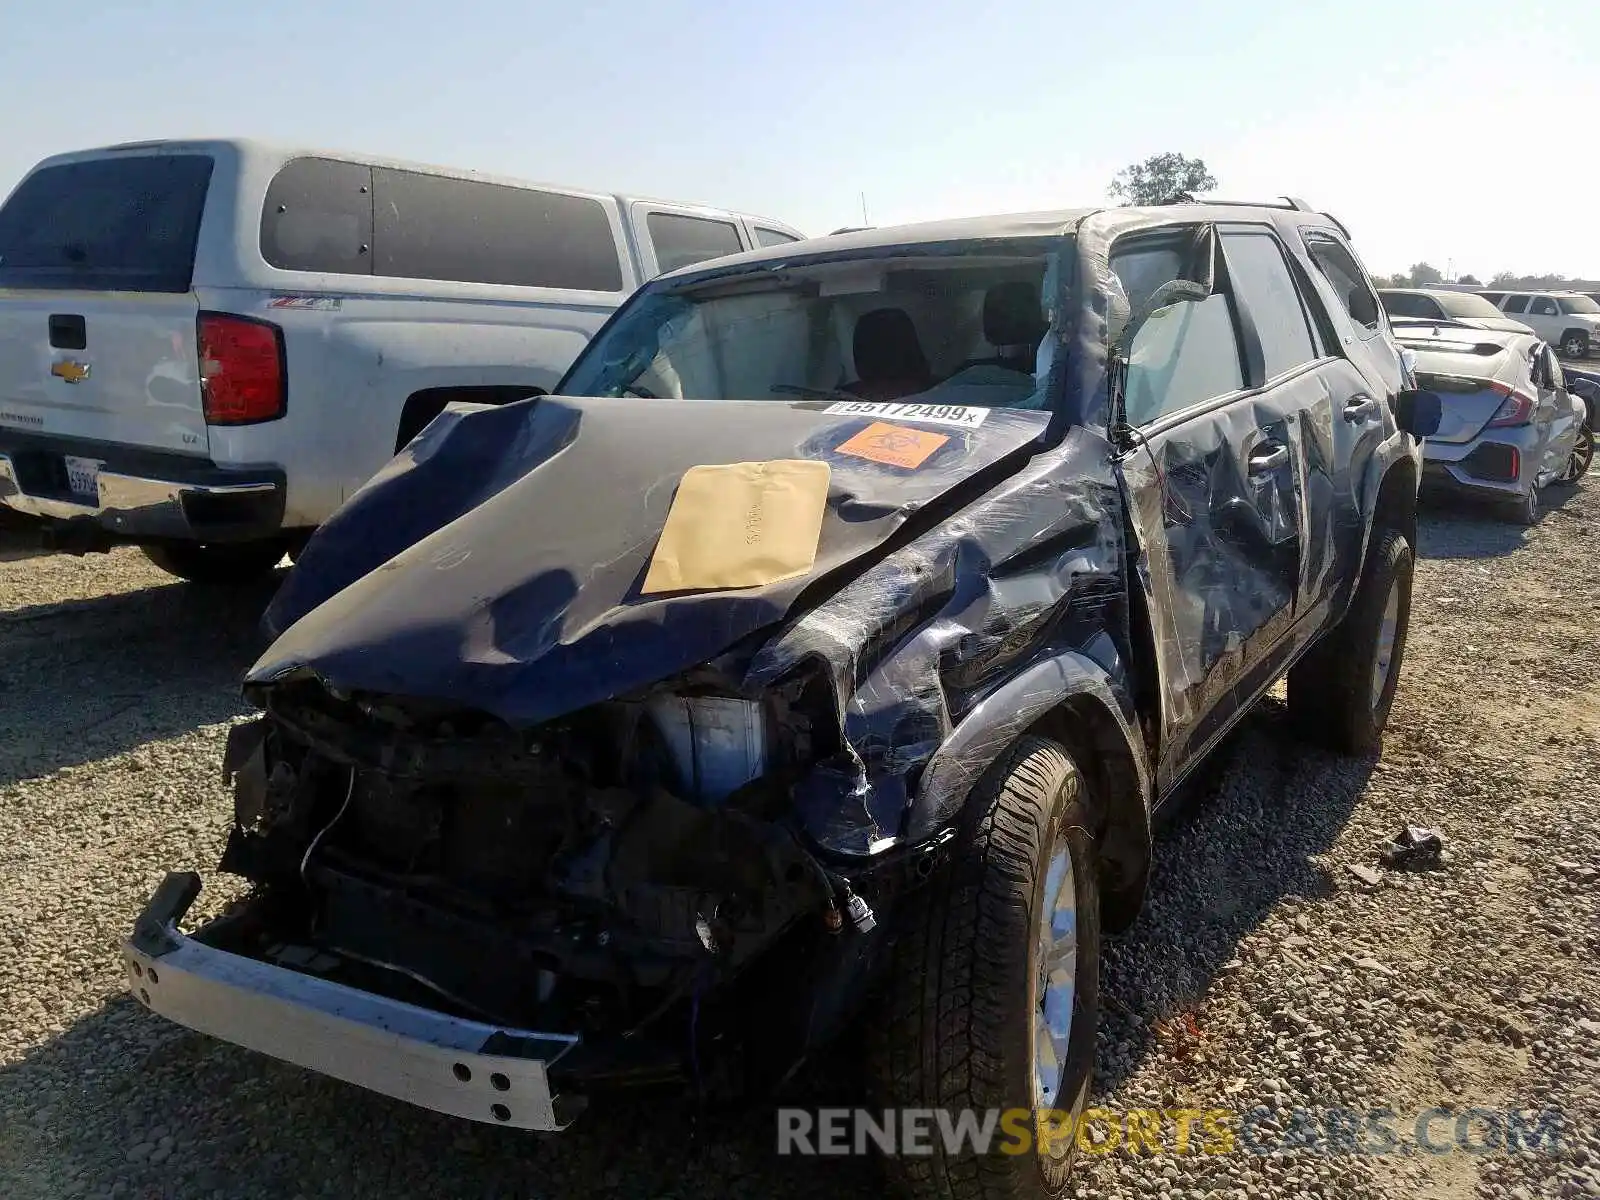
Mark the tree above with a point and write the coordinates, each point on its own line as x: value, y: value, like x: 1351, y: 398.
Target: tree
x: 1470, y: 281
x: 1504, y: 279
x: 1425, y: 275
x: 1160, y: 179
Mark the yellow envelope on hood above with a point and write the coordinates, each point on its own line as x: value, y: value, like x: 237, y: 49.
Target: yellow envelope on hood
x: 741, y: 525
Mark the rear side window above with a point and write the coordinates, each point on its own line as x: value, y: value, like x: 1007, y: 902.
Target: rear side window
x: 772, y: 237
x: 681, y: 241
x: 1261, y: 280
x: 1405, y: 304
x: 318, y: 217
x: 435, y: 227
x: 1515, y: 304
x: 106, y: 224
x: 1349, y: 281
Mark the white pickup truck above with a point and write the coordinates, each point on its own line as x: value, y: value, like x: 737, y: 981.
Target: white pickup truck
x: 206, y: 346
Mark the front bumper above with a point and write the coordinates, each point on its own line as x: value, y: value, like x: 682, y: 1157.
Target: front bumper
x: 139, y: 495
x: 451, y: 1065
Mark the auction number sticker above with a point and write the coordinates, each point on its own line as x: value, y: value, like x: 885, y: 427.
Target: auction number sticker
x: 961, y: 415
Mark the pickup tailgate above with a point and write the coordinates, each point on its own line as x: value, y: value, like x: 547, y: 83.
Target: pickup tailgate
x: 113, y: 367
x: 97, y: 308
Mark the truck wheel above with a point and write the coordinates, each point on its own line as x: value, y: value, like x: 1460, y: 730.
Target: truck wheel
x: 992, y: 996
x: 1341, y: 691
x: 1574, y: 344
x: 221, y: 563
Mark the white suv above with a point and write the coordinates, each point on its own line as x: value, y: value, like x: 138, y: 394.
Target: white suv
x: 207, y: 346
x: 1567, y: 320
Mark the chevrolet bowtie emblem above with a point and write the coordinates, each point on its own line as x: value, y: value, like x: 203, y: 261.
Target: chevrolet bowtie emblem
x: 72, y: 372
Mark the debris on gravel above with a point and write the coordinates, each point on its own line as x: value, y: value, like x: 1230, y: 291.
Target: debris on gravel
x: 1279, y: 973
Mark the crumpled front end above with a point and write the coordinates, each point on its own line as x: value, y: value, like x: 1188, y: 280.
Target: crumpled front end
x: 500, y: 780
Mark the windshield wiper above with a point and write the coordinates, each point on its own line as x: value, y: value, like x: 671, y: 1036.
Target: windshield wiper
x: 811, y: 393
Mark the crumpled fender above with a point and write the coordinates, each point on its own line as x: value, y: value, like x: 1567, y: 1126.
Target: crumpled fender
x: 1003, y: 716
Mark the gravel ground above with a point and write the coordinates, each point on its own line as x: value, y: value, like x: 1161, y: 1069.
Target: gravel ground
x: 1263, y: 972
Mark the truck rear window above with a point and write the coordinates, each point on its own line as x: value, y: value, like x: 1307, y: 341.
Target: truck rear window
x: 106, y: 224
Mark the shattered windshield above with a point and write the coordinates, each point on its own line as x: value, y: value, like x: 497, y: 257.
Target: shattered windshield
x: 947, y: 327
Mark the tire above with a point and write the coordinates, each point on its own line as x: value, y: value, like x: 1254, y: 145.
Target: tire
x: 1582, y: 455
x: 1524, y: 510
x: 962, y: 999
x: 225, y: 563
x: 1574, y: 344
x: 1337, y: 697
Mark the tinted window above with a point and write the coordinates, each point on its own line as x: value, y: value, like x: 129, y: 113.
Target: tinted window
x: 1349, y: 281
x: 1544, y: 306
x: 1515, y: 304
x: 681, y: 241
x: 433, y: 227
x: 1261, y: 281
x: 771, y: 237
x: 125, y: 223
x: 1465, y: 304
x: 317, y: 216
x: 1406, y: 304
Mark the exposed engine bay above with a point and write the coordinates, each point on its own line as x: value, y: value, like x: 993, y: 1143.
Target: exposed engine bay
x: 598, y: 875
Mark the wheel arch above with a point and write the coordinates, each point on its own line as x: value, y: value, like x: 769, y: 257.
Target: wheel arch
x: 1073, y: 700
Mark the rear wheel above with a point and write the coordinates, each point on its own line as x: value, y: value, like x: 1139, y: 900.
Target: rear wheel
x: 1524, y: 510
x: 1341, y: 692
x: 1574, y: 344
x: 993, y: 990
x: 232, y: 563
x: 1582, y: 455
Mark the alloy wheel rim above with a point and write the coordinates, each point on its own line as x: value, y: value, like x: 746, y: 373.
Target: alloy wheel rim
x: 1388, y: 635
x: 1582, y: 452
x: 1056, y: 954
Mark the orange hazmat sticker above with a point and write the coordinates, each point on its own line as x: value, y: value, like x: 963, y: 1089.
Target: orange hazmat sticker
x: 894, y: 444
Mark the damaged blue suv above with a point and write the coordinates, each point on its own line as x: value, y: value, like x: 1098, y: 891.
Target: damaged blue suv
x: 825, y: 643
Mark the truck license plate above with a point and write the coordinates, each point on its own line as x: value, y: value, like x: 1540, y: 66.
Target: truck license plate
x: 83, y: 476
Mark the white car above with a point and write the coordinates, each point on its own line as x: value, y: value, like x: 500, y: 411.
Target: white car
x: 1570, y: 321
x: 1444, y: 304
x: 207, y: 346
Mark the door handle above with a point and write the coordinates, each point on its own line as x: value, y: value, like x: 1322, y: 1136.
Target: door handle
x: 1269, y: 457
x: 1359, y: 408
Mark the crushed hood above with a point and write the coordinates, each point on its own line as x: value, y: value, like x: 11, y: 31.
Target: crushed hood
x: 496, y: 562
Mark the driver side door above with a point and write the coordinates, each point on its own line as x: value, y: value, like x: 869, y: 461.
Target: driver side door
x: 1213, y: 483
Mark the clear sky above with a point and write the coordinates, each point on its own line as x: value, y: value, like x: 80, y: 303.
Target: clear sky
x: 1465, y: 131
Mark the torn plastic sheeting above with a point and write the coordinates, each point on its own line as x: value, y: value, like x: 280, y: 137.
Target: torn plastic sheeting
x: 1024, y: 573
x: 512, y: 599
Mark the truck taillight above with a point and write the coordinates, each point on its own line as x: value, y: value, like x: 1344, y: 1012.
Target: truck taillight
x: 241, y: 370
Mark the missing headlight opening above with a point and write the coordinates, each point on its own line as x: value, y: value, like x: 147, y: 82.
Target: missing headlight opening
x: 596, y: 874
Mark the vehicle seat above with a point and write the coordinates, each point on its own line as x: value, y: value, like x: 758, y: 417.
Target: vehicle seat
x: 1014, y: 324
x: 888, y: 356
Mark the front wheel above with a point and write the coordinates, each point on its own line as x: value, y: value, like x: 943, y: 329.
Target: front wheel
x: 993, y: 990
x: 1341, y: 692
x: 228, y: 563
x: 1574, y: 344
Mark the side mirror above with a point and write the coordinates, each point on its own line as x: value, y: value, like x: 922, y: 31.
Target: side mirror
x: 1418, y: 412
